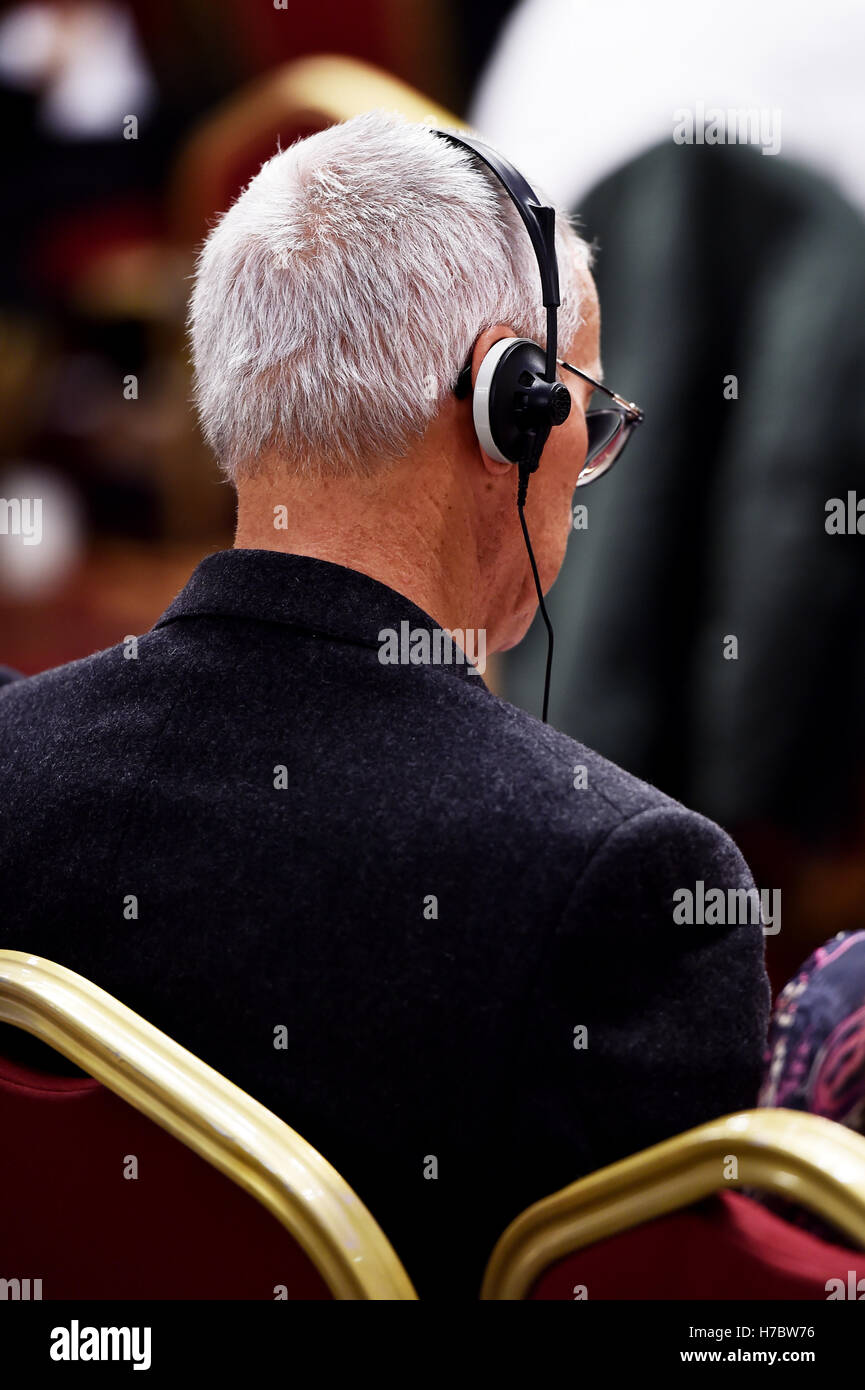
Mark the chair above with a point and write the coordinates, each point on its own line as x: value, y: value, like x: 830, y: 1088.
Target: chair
x: 632, y: 1231
x: 98, y: 1199
x: 296, y: 99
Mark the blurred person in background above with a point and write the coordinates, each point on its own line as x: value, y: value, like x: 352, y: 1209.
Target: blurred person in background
x: 248, y: 819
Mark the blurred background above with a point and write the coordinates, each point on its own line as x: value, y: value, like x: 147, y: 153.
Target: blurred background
x: 732, y: 283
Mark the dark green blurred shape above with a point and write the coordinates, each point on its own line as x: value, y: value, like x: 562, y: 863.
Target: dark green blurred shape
x: 719, y: 261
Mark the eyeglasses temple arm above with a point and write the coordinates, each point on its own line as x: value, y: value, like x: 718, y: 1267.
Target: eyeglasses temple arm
x: 599, y: 386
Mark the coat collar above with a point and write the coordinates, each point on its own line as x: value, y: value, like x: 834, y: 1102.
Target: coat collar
x: 307, y: 594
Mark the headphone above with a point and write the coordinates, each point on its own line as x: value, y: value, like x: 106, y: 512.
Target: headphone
x: 517, y: 398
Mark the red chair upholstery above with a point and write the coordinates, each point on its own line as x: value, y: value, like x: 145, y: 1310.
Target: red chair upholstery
x: 728, y: 1247
x: 180, y: 1230
x: 134, y: 1184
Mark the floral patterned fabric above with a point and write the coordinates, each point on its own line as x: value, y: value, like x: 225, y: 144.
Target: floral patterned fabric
x: 815, y: 1054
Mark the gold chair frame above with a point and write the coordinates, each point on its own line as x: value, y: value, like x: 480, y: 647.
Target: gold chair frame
x: 317, y: 91
x: 804, y: 1158
x: 211, y: 1116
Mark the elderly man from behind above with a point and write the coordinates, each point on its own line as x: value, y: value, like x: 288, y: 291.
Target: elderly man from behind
x: 431, y: 933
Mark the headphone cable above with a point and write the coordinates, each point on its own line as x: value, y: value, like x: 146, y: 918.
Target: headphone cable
x: 522, y: 489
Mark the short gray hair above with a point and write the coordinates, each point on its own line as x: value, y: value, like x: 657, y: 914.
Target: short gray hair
x: 336, y: 300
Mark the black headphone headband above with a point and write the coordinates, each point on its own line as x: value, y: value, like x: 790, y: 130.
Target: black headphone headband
x: 544, y: 395
x: 540, y: 223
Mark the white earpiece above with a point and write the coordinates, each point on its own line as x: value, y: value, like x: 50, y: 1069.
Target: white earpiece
x: 481, y: 399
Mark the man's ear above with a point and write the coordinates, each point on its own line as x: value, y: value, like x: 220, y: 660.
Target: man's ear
x: 479, y: 352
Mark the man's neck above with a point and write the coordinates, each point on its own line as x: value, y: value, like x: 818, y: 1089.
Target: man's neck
x: 423, y: 551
